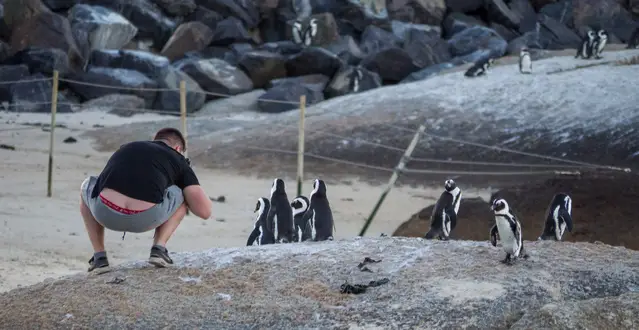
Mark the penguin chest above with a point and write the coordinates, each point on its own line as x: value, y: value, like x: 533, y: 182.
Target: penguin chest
x: 508, y: 239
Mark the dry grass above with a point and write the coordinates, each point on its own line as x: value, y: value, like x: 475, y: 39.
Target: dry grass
x: 628, y: 61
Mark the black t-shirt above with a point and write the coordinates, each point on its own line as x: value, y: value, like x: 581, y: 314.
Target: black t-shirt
x: 144, y: 170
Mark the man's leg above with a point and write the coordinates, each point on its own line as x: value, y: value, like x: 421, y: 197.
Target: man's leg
x: 99, y: 262
x: 176, y: 210
x: 166, y: 230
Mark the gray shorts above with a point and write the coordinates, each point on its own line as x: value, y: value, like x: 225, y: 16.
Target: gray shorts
x: 134, y: 223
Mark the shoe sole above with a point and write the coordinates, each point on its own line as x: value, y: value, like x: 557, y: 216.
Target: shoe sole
x: 158, y: 262
x: 101, y: 270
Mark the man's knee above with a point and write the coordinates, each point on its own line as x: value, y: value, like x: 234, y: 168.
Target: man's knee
x: 180, y: 212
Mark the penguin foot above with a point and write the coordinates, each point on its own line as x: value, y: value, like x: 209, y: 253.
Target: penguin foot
x: 508, y: 260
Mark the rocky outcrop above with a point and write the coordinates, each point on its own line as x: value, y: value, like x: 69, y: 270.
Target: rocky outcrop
x: 120, y: 81
x: 190, y: 36
x: 217, y: 76
x: 568, y: 283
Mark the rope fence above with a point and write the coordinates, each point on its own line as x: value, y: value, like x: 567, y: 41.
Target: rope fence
x: 568, y: 167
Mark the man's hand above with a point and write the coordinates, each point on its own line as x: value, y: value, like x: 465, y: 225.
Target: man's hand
x: 197, y: 201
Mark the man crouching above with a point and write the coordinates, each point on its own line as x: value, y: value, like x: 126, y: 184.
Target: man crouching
x: 145, y: 185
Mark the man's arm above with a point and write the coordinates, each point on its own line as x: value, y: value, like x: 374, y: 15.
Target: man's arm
x: 197, y: 201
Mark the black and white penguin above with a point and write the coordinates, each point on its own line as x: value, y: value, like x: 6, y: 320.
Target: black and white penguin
x: 585, y: 49
x: 304, y: 35
x: 262, y: 230
x: 480, y: 68
x: 281, y: 213
x: 559, y: 218
x: 356, y: 77
x: 633, y: 42
x: 525, y: 61
x: 318, y: 217
x: 508, y: 228
x: 300, y: 206
x: 600, y: 42
x: 444, y: 217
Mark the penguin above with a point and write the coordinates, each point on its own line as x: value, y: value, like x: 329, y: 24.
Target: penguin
x: 525, y: 61
x: 262, y: 231
x: 311, y: 32
x: 300, y: 206
x: 444, y: 217
x: 633, y: 42
x: 297, y: 32
x: 281, y: 213
x: 600, y: 42
x: 559, y: 218
x: 318, y: 217
x: 356, y: 77
x: 480, y: 68
x: 585, y: 49
x: 508, y: 228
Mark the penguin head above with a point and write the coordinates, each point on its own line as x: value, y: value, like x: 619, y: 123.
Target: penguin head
x: 319, y: 188
x: 499, y: 206
x: 591, y: 34
x: 450, y: 185
x: 299, y: 204
x: 261, y: 205
x: 278, y: 186
x: 312, y: 24
x: 602, y: 34
x: 524, y: 51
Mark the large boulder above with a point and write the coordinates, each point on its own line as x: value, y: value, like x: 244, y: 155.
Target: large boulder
x: 428, y: 72
x: 477, y: 38
x: 60, y: 5
x: 190, y: 36
x: 531, y: 40
x: 410, y: 284
x: 313, y: 60
x: 554, y: 35
x: 10, y: 73
x: 101, y: 81
x: 245, y: 102
x: 19, y: 11
x: 285, y: 47
x: 350, y: 80
x: 458, y: 22
x: 285, y: 96
x: 42, y: 60
x: 204, y: 15
x: 153, y: 66
x: 217, y: 77
x: 392, y: 64
x: 34, y: 95
x: 561, y: 11
x: 375, y: 39
x: 97, y: 27
x: 357, y: 15
x: 464, y: 6
x: 168, y: 99
x: 346, y: 49
x: 526, y: 13
x: 151, y: 22
x: 47, y: 30
x: 229, y: 31
x: 429, y: 12
x: 317, y: 82
x: 116, y: 104
x: 500, y: 13
x: 606, y: 14
x: 178, y: 8
x: 425, y: 47
x: 263, y: 66
x: 246, y: 11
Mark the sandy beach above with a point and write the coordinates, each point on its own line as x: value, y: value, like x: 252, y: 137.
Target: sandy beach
x: 43, y: 237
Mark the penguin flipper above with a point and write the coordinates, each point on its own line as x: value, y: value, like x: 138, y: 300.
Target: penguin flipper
x: 453, y: 220
x: 494, y: 235
x: 254, y: 235
x: 567, y: 220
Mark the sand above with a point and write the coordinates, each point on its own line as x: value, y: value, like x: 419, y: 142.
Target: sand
x: 43, y: 237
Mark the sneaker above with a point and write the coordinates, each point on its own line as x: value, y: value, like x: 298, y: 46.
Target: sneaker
x: 160, y: 257
x: 99, y: 266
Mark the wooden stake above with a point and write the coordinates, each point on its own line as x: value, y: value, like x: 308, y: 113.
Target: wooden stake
x: 54, y: 109
x: 183, y: 113
x: 391, y: 182
x: 300, y: 146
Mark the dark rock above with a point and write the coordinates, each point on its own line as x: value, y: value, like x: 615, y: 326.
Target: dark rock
x: 245, y: 10
x: 360, y: 14
x: 464, y: 6
x: 170, y: 100
x: 47, y: 30
x: 230, y: 56
x: 176, y: 7
x: 375, y: 39
x: 151, y: 65
x: 604, y: 14
x: 429, y: 12
x: 500, y: 13
x: 504, y: 32
x: 35, y: 96
x: 313, y: 60
x: 146, y: 16
x: 347, y: 50
x: 118, y: 104
x: 425, y: 47
x: 229, y: 31
x: 554, y: 35
x: 59, y: 5
x: 526, y: 13
x: 190, y: 36
x: 5, y: 51
x: 474, y: 57
x: 11, y: 73
x: 392, y: 64
x: 457, y: 22
x: 287, y: 92
x: 529, y: 40
x: 317, y: 82
x: 428, y: 72
x: 633, y: 6
x: 401, y: 29
x: 17, y: 12
x: 97, y: 27
x: 476, y: 38
x: 285, y: 47
x: 350, y: 80
x: 42, y: 60
x: 217, y: 76
x: 245, y: 102
x: 263, y: 66
x: 561, y: 11
x: 206, y: 16
x: 120, y: 81
x: 70, y: 139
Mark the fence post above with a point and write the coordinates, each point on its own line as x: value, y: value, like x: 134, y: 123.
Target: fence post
x: 300, y: 146
x: 394, y: 177
x: 54, y: 109
x: 183, y: 112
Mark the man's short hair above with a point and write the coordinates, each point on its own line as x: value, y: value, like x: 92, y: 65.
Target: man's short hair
x: 172, y: 135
